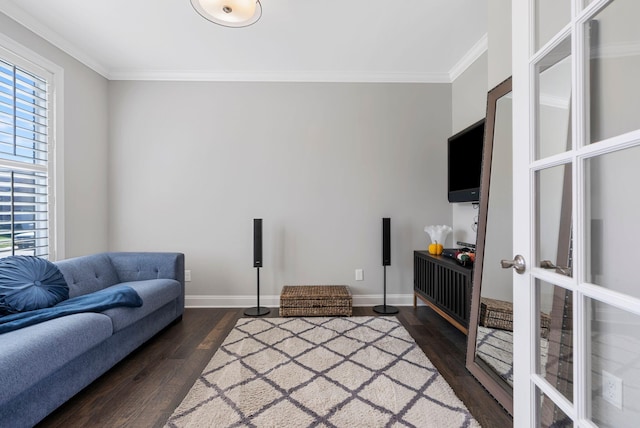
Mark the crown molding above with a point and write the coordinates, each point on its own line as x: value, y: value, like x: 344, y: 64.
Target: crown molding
x: 555, y: 101
x: 469, y: 58
x: 14, y: 12
x: 616, y: 50
x: 281, y: 76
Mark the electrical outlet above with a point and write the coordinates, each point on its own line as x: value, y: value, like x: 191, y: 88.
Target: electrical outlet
x: 187, y: 275
x: 612, y: 389
x: 359, y: 274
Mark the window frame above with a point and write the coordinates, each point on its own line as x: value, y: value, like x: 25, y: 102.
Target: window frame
x: 23, y: 57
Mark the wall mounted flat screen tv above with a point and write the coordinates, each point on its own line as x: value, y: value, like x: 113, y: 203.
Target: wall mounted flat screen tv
x: 465, y: 163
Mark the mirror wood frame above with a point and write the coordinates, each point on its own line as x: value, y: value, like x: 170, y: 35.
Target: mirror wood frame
x: 496, y: 386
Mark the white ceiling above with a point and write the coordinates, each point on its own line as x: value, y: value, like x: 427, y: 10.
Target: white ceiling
x: 295, y: 40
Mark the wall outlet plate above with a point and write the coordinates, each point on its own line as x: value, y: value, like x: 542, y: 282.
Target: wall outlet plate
x: 187, y: 276
x: 612, y: 389
x: 359, y: 274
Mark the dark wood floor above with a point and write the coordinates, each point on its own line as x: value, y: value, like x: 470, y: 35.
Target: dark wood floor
x: 145, y: 388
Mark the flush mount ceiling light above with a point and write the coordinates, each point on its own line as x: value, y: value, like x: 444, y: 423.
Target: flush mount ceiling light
x: 229, y: 13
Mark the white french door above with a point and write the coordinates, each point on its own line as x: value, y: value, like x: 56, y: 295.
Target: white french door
x: 576, y: 125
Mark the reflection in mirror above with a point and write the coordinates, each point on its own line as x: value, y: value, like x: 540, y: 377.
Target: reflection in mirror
x: 494, y: 341
x: 489, y: 346
x: 490, y: 342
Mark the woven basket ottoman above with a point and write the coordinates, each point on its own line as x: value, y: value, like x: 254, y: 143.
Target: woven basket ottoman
x: 499, y: 314
x: 315, y: 300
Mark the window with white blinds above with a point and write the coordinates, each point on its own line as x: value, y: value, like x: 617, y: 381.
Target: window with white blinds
x: 24, y: 161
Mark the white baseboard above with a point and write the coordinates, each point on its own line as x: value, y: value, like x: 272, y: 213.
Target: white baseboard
x: 273, y: 301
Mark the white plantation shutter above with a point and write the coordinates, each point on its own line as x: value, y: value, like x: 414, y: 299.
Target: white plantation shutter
x: 24, y: 161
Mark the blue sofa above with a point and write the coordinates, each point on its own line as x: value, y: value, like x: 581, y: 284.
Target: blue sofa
x: 43, y: 365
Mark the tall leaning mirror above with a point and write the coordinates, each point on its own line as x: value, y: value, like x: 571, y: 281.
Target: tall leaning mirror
x: 489, y: 354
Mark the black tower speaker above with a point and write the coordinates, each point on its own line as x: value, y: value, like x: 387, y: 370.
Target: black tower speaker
x: 386, y: 242
x: 257, y: 263
x: 257, y: 242
x: 386, y: 261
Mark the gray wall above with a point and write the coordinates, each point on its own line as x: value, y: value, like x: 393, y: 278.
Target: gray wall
x: 499, y: 41
x: 496, y: 283
x: 469, y: 105
x: 469, y: 94
x: 192, y: 163
x: 85, y: 144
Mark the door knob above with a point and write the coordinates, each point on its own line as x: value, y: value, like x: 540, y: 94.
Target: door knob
x: 548, y: 264
x: 517, y: 264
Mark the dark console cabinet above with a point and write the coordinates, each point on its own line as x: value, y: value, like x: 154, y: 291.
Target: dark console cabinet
x: 444, y: 285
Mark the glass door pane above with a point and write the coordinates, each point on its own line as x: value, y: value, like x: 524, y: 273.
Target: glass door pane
x: 576, y: 115
x: 612, y: 220
x: 553, y: 218
x: 615, y: 366
x: 554, y: 102
x: 551, y: 17
x: 551, y: 416
x: 612, y: 43
x: 555, y: 327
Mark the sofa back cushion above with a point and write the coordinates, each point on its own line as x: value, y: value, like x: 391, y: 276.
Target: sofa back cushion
x: 144, y: 266
x: 87, y: 274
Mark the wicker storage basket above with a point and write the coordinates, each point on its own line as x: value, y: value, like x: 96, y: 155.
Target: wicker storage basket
x: 315, y: 300
x: 499, y: 314
x: 496, y: 314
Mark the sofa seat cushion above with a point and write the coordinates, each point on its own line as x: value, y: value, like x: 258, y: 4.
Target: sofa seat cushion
x: 29, y: 354
x: 155, y: 293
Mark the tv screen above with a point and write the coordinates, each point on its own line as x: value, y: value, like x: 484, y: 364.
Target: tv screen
x: 465, y: 163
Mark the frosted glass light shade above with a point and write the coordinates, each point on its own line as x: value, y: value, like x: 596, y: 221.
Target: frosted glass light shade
x: 229, y: 13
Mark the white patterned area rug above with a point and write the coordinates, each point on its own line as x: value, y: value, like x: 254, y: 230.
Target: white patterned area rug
x: 320, y: 372
x: 495, y: 347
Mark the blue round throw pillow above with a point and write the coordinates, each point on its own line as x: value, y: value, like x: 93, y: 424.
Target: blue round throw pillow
x: 28, y: 283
